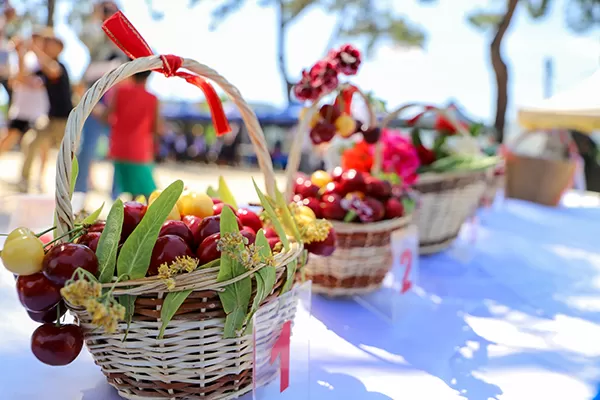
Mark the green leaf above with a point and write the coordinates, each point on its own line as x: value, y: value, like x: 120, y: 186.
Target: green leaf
x: 109, y: 242
x: 93, y: 217
x: 225, y: 194
x: 236, y: 296
x: 350, y: 216
x: 134, y: 258
x: 74, y: 174
x: 128, y: 301
x: 211, y: 192
x: 172, y: 302
x: 286, y: 215
x: 409, y: 205
x: 265, y: 277
x: 272, y: 217
x: 291, y: 275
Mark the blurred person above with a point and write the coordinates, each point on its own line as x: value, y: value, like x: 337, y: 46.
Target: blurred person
x: 133, y: 114
x: 104, y: 56
x: 58, y: 88
x: 6, y: 46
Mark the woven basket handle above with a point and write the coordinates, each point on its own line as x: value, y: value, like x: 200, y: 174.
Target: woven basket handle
x: 80, y: 113
x: 568, y: 140
x: 302, y: 130
x: 393, y: 115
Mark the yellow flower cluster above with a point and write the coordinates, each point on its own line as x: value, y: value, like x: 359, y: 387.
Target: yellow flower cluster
x: 235, y: 246
x: 315, y: 231
x: 80, y: 291
x: 180, y: 265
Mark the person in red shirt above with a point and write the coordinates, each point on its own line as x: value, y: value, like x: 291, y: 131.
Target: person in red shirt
x: 134, y: 119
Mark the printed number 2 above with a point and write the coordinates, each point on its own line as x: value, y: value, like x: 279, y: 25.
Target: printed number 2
x: 406, y: 261
x: 282, y: 349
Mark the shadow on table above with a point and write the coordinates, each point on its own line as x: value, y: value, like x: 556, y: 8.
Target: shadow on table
x: 102, y: 391
x: 427, y: 337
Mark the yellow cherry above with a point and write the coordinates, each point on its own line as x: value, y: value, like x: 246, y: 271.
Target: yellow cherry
x: 306, y: 211
x: 198, y: 204
x: 23, y: 253
x: 320, y: 178
x: 174, y: 215
x: 345, y: 125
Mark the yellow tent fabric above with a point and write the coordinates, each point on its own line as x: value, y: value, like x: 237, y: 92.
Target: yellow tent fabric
x: 577, y: 108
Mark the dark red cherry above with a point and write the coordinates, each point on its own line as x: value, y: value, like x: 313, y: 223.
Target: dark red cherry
x: 61, y: 261
x: 249, y: 218
x: 322, y: 132
x: 330, y: 113
x: 97, y: 226
x: 57, y: 345
x: 271, y: 233
x: 210, y: 226
x: 371, y: 135
x: 178, y: 228
x: 331, y: 188
x: 331, y: 207
x: 393, y: 208
x: 215, y: 200
x: 208, y: 250
x: 373, y: 210
x: 166, y: 249
x: 193, y: 222
x: 313, y: 204
x: 248, y: 235
x: 37, y: 293
x: 377, y: 188
x: 324, y: 248
x: 352, y: 181
x: 307, y: 189
x: 336, y: 174
x: 248, y: 229
x: 217, y: 208
x: 273, y: 241
x: 49, y: 316
x: 90, y: 240
x: 133, y: 212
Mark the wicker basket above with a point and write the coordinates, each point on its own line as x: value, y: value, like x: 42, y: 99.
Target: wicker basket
x: 494, y: 183
x: 447, y: 200
x: 193, y: 360
x: 540, y: 180
x: 363, y: 254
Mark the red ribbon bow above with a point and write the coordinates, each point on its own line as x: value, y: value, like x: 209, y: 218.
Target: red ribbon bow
x: 120, y: 30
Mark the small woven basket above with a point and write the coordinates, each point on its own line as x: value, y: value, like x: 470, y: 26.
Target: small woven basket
x: 363, y: 254
x: 193, y: 360
x: 536, y: 179
x: 447, y: 199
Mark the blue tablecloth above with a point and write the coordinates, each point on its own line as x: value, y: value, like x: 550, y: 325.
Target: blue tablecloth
x: 518, y: 317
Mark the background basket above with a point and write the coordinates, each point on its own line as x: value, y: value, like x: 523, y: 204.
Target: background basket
x: 541, y: 180
x: 192, y: 361
x: 363, y: 254
x: 446, y: 199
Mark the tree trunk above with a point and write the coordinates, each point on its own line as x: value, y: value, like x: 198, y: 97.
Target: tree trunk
x: 50, y: 18
x: 501, y: 70
x: 281, y: 55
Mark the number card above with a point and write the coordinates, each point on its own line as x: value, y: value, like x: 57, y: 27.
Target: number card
x: 398, y: 285
x: 281, y: 350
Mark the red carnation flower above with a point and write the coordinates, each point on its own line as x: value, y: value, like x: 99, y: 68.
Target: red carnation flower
x: 346, y: 60
x: 324, y: 75
x: 305, y: 89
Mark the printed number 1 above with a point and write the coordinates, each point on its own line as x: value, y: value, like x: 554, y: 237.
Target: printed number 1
x: 282, y: 349
x: 406, y: 261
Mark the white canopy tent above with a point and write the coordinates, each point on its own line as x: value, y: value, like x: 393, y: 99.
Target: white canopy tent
x: 577, y: 108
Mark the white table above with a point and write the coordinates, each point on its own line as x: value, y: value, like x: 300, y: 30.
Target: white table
x: 519, y: 320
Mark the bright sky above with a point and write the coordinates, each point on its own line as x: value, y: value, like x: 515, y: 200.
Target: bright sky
x: 454, y: 64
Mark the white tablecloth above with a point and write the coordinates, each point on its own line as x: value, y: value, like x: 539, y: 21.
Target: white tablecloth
x: 519, y: 318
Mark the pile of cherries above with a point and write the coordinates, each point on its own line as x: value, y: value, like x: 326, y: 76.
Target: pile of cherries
x: 330, y: 120
x: 350, y: 196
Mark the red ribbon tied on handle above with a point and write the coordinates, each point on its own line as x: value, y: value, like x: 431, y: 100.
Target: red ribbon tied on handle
x: 120, y: 30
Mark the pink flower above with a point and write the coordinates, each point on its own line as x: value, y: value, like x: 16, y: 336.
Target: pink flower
x: 399, y: 156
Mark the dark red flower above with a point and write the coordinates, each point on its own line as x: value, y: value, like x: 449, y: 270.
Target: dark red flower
x: 426, y: 156
x: 305, y: 89
x: 346, y: 60
x: 324, y: 75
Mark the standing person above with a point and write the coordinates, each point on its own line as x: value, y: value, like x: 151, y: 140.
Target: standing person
x: 8, y: 15
x: 58, y: 87
x: 133, y: 114
x: 104, y: 56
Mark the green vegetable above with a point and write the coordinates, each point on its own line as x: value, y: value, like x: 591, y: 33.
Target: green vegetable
x: 172, y: 302
x: 109, y: 242
x: 286, y: 215
x: 134, y: 258
x: 236, y: 296
x: 272, y: 217
x: 90, y: 219
x: 225, y: 194
x: 211, y: 192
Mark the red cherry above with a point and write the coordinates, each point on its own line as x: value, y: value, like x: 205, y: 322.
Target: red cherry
x: 273, y: 241
x: 307, y: 189
x: 248, y: 235
x: 208, y: 250
x: 331, y: 207
x: 215, y: 200
x: 210, y: 226
x: 377, y: 188
x: 97, y: 226
x: 332, y: 188
x: 90, y: 240
x: 37, y: 293
x: 371, y: 135
x: 178, y: 228
x: 133, y: 212
x: 322, y: 132
x: 393, y: 208
x: 271, y: 233
x: 217, y: 208
x: 193, y: 222
x: 61, y: 261
x: 313, y: 204
x: 57, y: 345
x: 352, y: 181
x: 330, y: 113
x: 297, y: 198
x: 49, y: 316
x: 249, y: 218
x: 248, y: 229
x: 166, y: 249
x: 324, y: 248
x: 375, y: 210
x: 336, y: 174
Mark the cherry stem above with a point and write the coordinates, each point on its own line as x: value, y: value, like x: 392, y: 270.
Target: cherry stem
x: 58, y: 315
x: 4, y: 234
x: 46, y: 231
x: 78, y: 229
